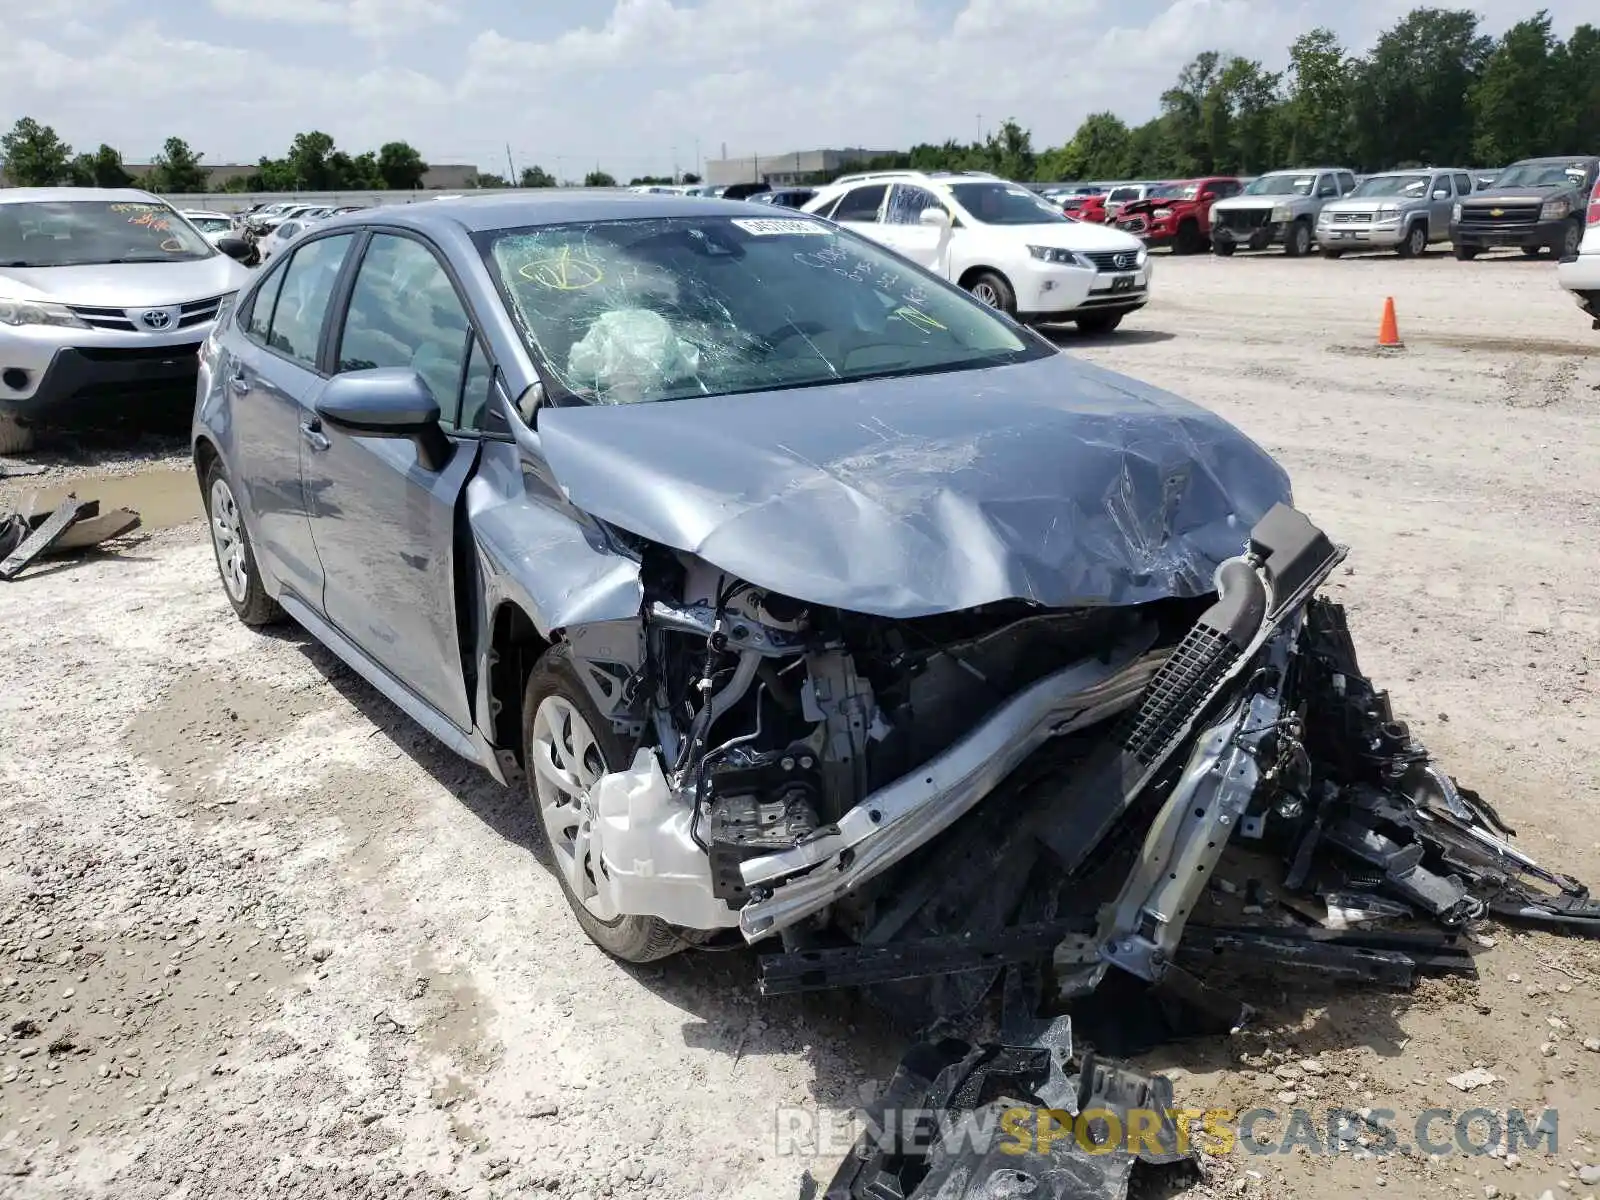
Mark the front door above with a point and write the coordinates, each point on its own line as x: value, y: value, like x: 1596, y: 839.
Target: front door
x: 384, y: 525
x: 275, y: 385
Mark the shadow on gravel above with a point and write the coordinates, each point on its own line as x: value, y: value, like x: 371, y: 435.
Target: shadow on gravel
x: 1068, y: 336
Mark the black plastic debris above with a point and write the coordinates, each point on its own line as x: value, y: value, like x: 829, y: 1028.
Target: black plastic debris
x: 73, y: 525
x: 1012, y: 1118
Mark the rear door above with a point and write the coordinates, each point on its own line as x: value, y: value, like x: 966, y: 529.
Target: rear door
x: 902, y: 229
x: 384, y: 525
x: 274, y: 385
x: 1441, y: 199
x: 861, y: 208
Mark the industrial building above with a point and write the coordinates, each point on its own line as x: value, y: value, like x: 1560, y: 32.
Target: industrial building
x: 797, y: 166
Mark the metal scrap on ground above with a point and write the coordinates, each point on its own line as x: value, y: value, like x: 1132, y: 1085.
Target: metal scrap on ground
x: 73, y: 525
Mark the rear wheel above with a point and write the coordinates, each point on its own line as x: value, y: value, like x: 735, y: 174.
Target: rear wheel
x: 15, y: 437
x: 1466, y: 253
x: 993, y: 290
x: 567, y: 746
x: 1297, y: 244
x: 236, y: 560
x: 1416, y: 241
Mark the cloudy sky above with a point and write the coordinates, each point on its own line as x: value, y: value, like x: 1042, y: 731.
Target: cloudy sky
x: 628, y: 84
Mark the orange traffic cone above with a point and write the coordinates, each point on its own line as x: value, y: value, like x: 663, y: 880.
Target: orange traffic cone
x: 1389, y: 330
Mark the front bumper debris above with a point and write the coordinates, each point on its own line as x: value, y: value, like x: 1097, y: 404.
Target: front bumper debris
x: 1257, y: 734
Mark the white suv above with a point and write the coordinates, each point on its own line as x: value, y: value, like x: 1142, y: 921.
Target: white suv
x: 1580, y: 274
x: 1006, y: 245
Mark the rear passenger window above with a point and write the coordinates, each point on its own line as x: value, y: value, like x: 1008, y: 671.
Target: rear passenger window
x: 404, y: 312
x: 1463, y: 185
x: 1347, y: 182
x: 257, y: 322
x: 304, y: 297
x: 861, y: 204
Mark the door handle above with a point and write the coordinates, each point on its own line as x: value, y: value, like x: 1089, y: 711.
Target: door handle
x: 312, y: 432
x: 239, y: 383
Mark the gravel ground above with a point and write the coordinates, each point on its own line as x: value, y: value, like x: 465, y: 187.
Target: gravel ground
x: 260, y: 936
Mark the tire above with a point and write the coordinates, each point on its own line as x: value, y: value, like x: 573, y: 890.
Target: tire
x: 554, y: 681
x: 1188, y: 240
x: 1297, y: 242
x: 1330, y: 252
x: 236, y: 559
x: 1100, y: 322
x: 991, y: 288
x: 1416, y: 242
x: 1466, y: 253
x: 1570, y: 240
x: 15, y: 437
x: 1222, y: 249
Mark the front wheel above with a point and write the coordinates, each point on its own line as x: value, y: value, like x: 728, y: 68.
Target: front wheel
x: 567, y: 745
x: 1330, y: 252
x: 236, y: 558
x: 1416, y: 242
x: 1298, y: 242
x: 1532, y: 251
x: 1100, y: 322
x: 1221, y: 248
x: 1189, y: 239
x: 1571, y: 238
x: 994, y: 291
x: 1466, y: 253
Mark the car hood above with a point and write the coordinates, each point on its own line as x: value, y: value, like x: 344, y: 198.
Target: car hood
x: 128, y: 285
x: 1368, y: 203
x: 1052, y: 481
x: 1249, y: 202
x: 1069, y: 235
x: 1513, y: 194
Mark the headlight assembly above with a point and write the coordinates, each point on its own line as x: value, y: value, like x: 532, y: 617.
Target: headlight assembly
x: 32, y: 312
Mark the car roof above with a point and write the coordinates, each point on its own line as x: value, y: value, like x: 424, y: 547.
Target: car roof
x: 31, y: 195
x: 561, y: 206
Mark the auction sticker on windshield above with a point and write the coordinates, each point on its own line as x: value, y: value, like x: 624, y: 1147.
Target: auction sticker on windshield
x: 770, y: 226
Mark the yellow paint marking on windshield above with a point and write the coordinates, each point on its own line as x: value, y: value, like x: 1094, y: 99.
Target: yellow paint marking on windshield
x: 562, y: 272
x: 918, y: 319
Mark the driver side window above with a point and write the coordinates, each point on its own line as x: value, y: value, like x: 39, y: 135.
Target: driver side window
x: 908, y: 203
x: 861, y: 204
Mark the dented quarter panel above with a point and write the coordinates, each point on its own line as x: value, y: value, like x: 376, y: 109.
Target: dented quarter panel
x: 1052, y: 481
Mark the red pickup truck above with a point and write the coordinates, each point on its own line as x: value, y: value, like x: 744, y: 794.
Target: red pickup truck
x: 1177, y: 214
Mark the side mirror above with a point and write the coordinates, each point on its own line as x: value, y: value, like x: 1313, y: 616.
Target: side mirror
x: 1204, y: 196
x: 936, y: 217
x: 235, y: 248
x: 1441, y: 194
x: 388, y: 402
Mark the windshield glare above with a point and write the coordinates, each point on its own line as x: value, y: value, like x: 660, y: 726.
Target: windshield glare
x: 71, y: 233
x: 1005, y: 204
x: 1544, y: 174
x: 626, y: 312
x: 1411, y: 187
x: 1282, y: 185
x: 1175, y: 191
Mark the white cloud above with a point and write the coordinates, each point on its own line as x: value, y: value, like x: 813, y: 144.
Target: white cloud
x: 371, y: 19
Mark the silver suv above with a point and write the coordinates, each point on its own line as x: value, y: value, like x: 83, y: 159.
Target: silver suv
x: 1278, y: 209
x: 1397, y: 210
x: 104, y: 294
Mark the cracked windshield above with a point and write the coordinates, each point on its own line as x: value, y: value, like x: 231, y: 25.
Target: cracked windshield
x: 624, y: 312
x: 71, y: 233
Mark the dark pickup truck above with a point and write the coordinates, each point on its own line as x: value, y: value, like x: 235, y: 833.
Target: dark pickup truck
x: 1532, y: 204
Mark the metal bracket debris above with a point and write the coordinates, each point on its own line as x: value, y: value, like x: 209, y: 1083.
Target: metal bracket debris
x: 73, y: 525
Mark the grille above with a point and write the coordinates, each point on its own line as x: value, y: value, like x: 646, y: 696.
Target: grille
x: 1113, y: 260
x: 1352, y: 218
x: 196, y: 312
x: 1179, y: 688
x: 1244, y: 218
x: 1133, y: 224
x: 104, y: 318
x: 1510, y: 214
x: 137, y: 354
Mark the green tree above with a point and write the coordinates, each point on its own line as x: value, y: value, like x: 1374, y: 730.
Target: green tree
x: 690, y: 177
x: 307, y: 161
x: 537, y: 177
x: 1412, y: 90
x: 1576, y: 66
x: 177, y: 170
x: 1249, y: 95
x: 1100, y: 149
x: 400, y: 166
x: 1316, y: 119
x: 103, y: 168
x: 33, y: 156
x: 1520, y: 77
x: 599, y: 179
x: 488, y: 179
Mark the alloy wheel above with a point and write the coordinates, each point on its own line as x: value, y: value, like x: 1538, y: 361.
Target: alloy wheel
x: 987, y: 294
x: 227, y: 539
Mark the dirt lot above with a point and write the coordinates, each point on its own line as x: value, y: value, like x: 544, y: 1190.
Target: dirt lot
x: 259, y: 935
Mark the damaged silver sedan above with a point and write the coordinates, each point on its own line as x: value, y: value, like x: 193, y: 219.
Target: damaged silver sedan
x: 814, y: 603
